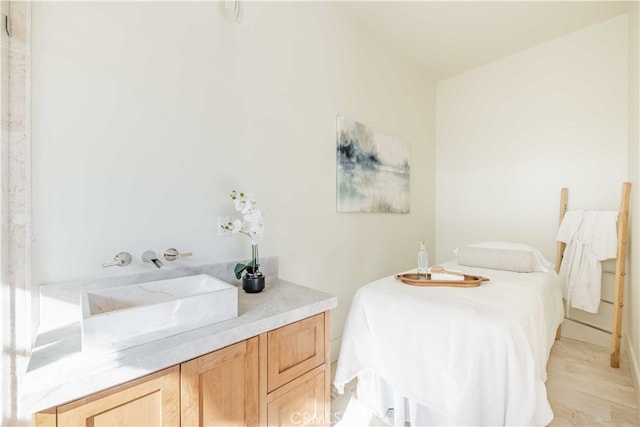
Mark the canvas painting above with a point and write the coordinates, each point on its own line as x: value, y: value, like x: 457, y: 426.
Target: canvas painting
x: 372, y: 170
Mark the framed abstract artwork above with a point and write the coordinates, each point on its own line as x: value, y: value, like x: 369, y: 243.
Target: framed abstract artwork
x: 373, y: 171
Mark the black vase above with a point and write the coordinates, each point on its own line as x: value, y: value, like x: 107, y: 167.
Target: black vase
x: 252, y: 283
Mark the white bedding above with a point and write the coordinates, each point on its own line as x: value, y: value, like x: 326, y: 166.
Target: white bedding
x: 454, y: 356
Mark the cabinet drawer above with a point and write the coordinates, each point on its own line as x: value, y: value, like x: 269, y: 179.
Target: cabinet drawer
x: 294, y: 349
x: 300, y: 403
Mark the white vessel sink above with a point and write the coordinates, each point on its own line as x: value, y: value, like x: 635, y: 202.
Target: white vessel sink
x: 121, y: 317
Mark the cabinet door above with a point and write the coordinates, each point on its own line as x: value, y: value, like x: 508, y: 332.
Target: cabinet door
x: 153, y: 400
x: 300, y: 403
x: 295, y: 349
x: 221, y: 388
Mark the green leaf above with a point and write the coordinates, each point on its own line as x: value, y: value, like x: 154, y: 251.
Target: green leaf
x: 239, y: 268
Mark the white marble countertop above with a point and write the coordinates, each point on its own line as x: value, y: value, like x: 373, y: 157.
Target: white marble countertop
x: 58, y: 371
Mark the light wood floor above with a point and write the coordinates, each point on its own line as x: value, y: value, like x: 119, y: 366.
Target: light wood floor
x: 582, y: 389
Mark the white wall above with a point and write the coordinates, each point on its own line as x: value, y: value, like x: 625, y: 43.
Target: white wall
x: 512, y: 133
x: 147, y: 114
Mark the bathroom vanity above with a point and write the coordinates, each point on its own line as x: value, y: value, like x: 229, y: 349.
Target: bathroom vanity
x: 268, y: 366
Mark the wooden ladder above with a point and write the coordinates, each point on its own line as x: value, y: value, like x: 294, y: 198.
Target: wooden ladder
x: 621, y: 258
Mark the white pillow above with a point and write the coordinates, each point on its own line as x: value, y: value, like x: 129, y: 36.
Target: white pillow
x: 541, y: 263
x: 497, y: 259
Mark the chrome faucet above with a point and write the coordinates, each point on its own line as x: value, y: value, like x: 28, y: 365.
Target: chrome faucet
x: 150, y: 256
x: 121, y: 259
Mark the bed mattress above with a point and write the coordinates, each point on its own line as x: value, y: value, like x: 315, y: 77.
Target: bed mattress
x: 454, y: 356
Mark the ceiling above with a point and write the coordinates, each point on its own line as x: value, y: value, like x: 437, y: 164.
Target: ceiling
x: 449, y: 37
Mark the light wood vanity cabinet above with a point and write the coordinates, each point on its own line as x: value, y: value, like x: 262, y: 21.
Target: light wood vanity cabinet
x: 280, y: 378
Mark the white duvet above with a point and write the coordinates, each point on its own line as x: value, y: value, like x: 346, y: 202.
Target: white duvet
x: 454, y: 356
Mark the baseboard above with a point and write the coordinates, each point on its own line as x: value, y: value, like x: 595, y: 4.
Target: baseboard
x: 577, y: 331
x: 633, y: 367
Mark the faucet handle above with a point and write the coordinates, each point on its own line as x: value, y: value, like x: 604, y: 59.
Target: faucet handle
x: 120, y: 259
x: 172, y: 254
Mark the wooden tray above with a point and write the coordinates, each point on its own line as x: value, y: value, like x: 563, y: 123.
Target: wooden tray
x: 413, y: 280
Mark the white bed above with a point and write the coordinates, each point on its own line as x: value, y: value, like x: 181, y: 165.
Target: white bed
x: 450, y: 355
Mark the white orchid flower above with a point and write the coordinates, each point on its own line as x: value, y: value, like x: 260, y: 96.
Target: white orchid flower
x: 241, y: 205
x: 251, y: 224
x: 243, y: 202
x: 236, y: 226
x: 253, y: 215
x: 256, y: 231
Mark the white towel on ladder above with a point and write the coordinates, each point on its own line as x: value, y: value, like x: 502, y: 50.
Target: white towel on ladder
x: 591, y: 237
